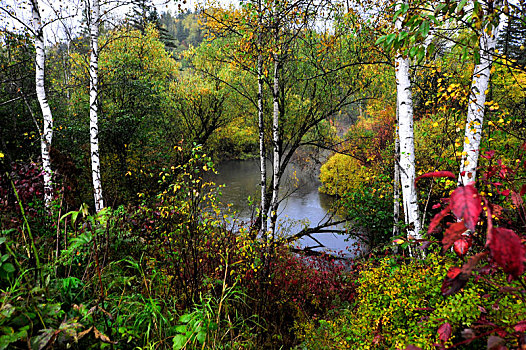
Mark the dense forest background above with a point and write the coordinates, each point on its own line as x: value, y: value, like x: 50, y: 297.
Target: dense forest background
x: 412, y: 113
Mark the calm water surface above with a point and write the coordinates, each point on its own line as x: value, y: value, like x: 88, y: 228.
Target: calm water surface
x: 302, y: 203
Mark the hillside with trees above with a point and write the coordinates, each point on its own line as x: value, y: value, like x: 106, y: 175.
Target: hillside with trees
x: 116, y: 115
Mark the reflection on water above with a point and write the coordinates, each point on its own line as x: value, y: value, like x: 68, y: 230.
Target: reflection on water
x: 302, y: 202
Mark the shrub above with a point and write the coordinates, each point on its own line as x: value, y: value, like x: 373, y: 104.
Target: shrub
x: 401, y: 303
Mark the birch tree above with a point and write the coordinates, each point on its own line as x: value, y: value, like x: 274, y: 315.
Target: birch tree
x: 276, y: 136
x: 477, y: 95
x: 36, y: 28
x: 94, y: 14
x: 261, y: 121
x: 306, y: 79
x: 406, y: 134
x: 47, y: 129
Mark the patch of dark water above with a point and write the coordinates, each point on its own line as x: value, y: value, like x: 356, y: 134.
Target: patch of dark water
x: 302, y: 204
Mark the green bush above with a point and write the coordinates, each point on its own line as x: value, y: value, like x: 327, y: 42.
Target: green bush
x: 401, y: 304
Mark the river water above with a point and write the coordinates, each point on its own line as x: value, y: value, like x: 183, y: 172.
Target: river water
x: 303, y: 205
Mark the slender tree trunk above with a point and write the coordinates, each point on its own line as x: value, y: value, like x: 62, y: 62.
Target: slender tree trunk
x: 47, y: 130
x: 276, y: 159
x: 396, y: 182
x: 407, y: 145
x: 94, y: 91
x: 477, y: 98
x: 261, y: 127
x: 276, y: 149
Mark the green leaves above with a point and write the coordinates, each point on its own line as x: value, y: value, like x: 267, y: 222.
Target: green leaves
x: 194, y: 329
x: 410, y: 40
x: 390, y: 39
x: 401, y: 11
x: 424, y: 29
x: 461, y: 5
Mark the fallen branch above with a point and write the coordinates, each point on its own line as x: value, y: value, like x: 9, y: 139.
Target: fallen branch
x: 318, y: 229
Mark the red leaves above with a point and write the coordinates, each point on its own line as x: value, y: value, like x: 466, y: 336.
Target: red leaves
x: 521, y: 326
x: 505, y: 246
x: 516, y: 199
x: 488, y: 154
x: 505, y: 193
x: 436, y: 220
x: 454, y: 281
x: 462, y: 245
x: 507, y: 250
x: 465, y: 204
x: 437, y: 174
x: 453, y: 233
x: 457, y: 277
x: 444, y: 332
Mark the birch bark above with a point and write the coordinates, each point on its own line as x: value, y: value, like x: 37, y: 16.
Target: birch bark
x: 261, y: 127
x: 47, y: 129
x: 407, y: 145
x: 276, y: 149
x: 477, y: 99
x: 396, y: 182
x: 94, y: 91
x: 276, y: 159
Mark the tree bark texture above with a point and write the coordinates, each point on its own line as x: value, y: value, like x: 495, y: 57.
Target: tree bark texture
x: 47, y: 129
x: 477, y: 99
x: 93, y: 111
x: 261, y: 127
x: 407, y: 144
x: 276, y: 149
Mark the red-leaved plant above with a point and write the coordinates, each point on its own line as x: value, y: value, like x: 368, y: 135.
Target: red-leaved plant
x: 502, y: 246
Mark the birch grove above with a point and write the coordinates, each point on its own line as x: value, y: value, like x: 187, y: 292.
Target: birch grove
x: 406, y: 136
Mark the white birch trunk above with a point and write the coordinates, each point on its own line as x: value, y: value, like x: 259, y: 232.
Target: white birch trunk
x: 93, y: 112
x: 407, y: 145
x: 274, y: 203
x: 396, y: 182
x: 276, y: 151
x: 475, y: 117
x: 261, y: 127
x: 47, y: 130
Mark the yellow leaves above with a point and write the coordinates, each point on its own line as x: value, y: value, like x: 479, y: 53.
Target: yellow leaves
x: 1, y: 155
